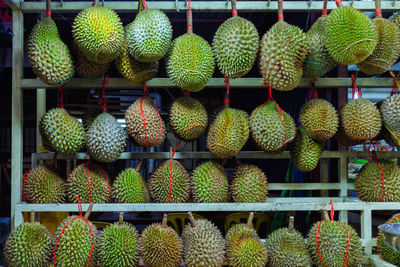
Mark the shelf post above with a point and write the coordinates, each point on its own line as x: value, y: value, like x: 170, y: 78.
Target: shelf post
x: 343, y: 214
x: 366, y: 229
x: 40, y: 110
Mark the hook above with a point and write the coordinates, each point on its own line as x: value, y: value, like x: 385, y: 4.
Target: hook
x: 177, y: 6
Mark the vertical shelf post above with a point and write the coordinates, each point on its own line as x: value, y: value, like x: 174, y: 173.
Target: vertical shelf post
x: 343, y: 173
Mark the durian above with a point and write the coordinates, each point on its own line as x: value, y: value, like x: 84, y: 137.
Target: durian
x: 282, y: 52
x: 118, y: 245
x: 188, y: 118
x: 144, y: 124
x: 369, y: 181
x: 90, y: 114
x: 396, y: 19
x: 160, y: 183
x: 271, y: 127
x: 210, y: 183
x: 105, y: 139
x: 390, y: 111
x: 63, y: 132
x: 204, y: 245
x: 161, y: 246
x: 228, y: 133
x: 44, y: 186
x: 86, y: 68
x: 95, y: 191
x: 249, y: 184
x: 319, y: 119
x: 386, y: 253
x: 149, y: 35
x: 305, y: 151
x: 98, y: 33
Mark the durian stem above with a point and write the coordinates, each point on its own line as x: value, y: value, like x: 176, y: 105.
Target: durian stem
x: 234, y: 11
x: 121, y: 218
x: 280, y: 10
x: 325, y: 215
x: 378, y: 9
x: 89, y: 210
x: 191, y: 219
x: 250, y: 220
x: 189, y: 18
x: 48, y: 8
x: 144, y: 4
x: 164, y: 221
x: 139, y: 165
x: 95, y: 2
x: 325, y: 4
x: 291, y: 223
x: 170, y: 152
x: 32, y: 216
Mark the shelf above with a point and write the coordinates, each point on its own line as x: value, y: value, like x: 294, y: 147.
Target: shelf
x: 120, y: 83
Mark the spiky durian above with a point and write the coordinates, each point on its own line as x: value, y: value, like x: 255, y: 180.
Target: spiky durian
x: 86, y: 68
x: 390, y: 111
x: 249, y: 184
x: 386, y: 253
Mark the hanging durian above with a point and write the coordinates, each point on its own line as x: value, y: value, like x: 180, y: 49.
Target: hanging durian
x: 249, y: 184
x: 386, y: 253
x: 390, y: 111
x: 86, y: 68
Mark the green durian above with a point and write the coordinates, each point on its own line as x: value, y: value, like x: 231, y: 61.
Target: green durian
x: 86, y: 68
x: 390, y: 111
x: 249, y: 184
x: 386, y: 253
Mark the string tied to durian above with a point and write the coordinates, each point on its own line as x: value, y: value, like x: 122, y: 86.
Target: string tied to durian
x: 374, y: 157
x: 355, y: 88
x: 23, y: 183
x: 60, y: 97
x: 234, y: 10
x: 396, y: 83
x: 48, y: 8
x: 189, y: 17
x: 84, y: 218
x: 313, y: 90
x: 103, y: 87
x: 144, y: 4
x: 226, y: 99
x: 325, y: 9
x: 172, y: 154
x: 393, y: 219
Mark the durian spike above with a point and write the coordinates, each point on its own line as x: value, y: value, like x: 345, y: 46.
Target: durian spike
x: 89, y: 210
x: 291, y: 223
x: 164, y: 221
x: 250, y: 220
x: 191, y: 219
x: 325, y: 215
x: 95, y: 2
x: 189, y: 18
x: 121, y: 218
x: 139, y: 165
x: 378, y: 10
x: 32, y: 216
x: 233, y: 3
x: 280, y: 10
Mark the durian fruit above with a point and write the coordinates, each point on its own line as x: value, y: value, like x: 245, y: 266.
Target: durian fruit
x: 75, y: 242
x: 390, y: 111
x: 97, y: 191
x: 386, y: 253
x: 360, y: 119
x: 249, y: 184
x: 48, y: 55
x: 98, y: 33
x: 105, y: 139
x: 244, y: 247
x: 29, y: 245
x: 190, y: 62
x: 228, y: 133
x: 396, y: 19
x: 144, y: 124
x: 344, y: 140
x: 161, y: 246
x: 44, y: 186
x: 318, y: 62
x: 350, y: 36
x: 282, y: 52
x: 86, y: 68
x: 133, y: 70
x: 204, y: 245
x: 63, y: 132
x: 118, y: 245
x: 235, y: 46
x: 160, y: 180
x: 149, y: 35
x: 319, y: 119
x: 210, y: 183
x: 271, y: 127
x: 333, y: 239
x: 369, y: 181
x: 306, y: 151
x: 130, y: 187
x: 188, y: 118
x: 90, y: 114
x: 288, y: 248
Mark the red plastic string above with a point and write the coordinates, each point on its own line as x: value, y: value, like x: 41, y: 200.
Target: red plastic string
x: 170, y: 173
x: 374, y: 158
x: 324, y: 11
x: 61, y: 93
x: 338, y: 2
x: 187, y: 93
x: 144, y: 4
x: 144, y: 122
x: 355, y: 88
x: 234, y: 12
x: 378, y: 12
x: 65, y: 227
x: 226, y: 99
x: 48, y: 8
x: 379, y: 236
x: 395, y: 81
x: 145, y: 88
x: 103, y: 86
x: 280, y: 16
x: 189, y: 26
x: 332, y: 210
x: 23, y: 183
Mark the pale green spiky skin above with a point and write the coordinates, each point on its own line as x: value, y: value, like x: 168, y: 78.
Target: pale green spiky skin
x: 387, y: 49
x: 360, y: 119
x: 161, y: 246
x: 248, y: 252
x: 63, y: 132
x: 386, y: 253
x: 396, y: 19
x: 228, y: 133
x: 118, y: 246
x: 305, y: 151
x: 288, y: 248
x: 249, y: 184
x: 105, y: 139
x: 188, y: 118
x: 235, y: 46
x: 44, y: 186
x: 319, y: 119
x: 48, y: 55
x: 130, y: 187
x: 30, y: 245
x: 86, y: 68
x: 78, y: 185
x: 149, y: 35
x: 237, y: 231
x: 350, y: 36
x: 75, y: 244
x: 390, y: 110
x: 159, y: 183
x: 369, y: 181
x: 332, y: 244
x: 269, y: 131
x: 210, y: 183
x: 190, y: 62
x: 204, y: 245
x: 99, y: 34
x: 318, y: 62
x: 282, y: 52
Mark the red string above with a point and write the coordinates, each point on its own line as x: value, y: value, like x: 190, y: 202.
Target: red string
x: 226, y: 99
x: 144, y: 122
x: 234, y: 12
x: 375, y: 159
x: 145, y: 88
x: 395, y: 80
x: 338, y: 2
x: 65, y: 227
x: 380, y: 235
x: 187, y: 93
x: 355, y: 88
x: 332, y: 210
x: 144, y: 4
x: 280, y: 16
x: 378, y: 12
x: 61, y: 93
x: 324, y: 11
x: 170, y: 173
x: 48, y: 9
x: 103, y: 85
x: 189, y: 25
x: 23, y: 183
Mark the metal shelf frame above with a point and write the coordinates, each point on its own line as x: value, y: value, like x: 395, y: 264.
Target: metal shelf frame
x: 342, y: 203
